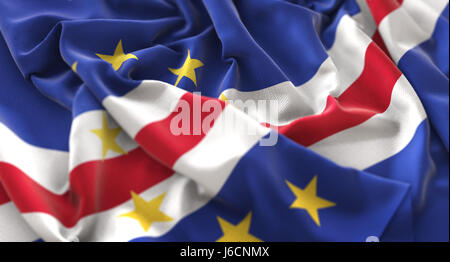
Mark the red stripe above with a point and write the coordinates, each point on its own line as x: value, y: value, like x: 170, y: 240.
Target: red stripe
x: 370, y: 94
x: 3, y: 196
x: 158, y: 140
x: 381, y: 8
x: 94, y: 186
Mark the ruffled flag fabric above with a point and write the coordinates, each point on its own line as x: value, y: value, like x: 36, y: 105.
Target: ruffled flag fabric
x: 353, y: 147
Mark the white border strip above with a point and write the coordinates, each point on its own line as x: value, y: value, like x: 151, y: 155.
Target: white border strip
x: 86, y: 146
x: 343, y: 66
x: 183, y: 196
x: 152, y: 99
x: 380, y: 137
x: 47, y: 167
x: 212, y: 160
x: 13, y: 227
x: 409, y: 25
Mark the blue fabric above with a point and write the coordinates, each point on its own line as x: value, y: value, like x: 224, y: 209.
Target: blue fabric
x: 364, y: 202
x: 35, y: 118
x: 426, y: 68
x: 428, y: 178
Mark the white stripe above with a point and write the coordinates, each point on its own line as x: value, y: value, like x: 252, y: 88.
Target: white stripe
x: 343, y: 66
x: 380, y: 137
x: 13, y: 227
x: 46, y: 167
x: 211, y: 161
x: 364, y: 19
x: 293, y: 102
x: 348, y: 53
x: 409, y: 25
x: 152, y: 99
x: 316, y: 90
x: 183, y: 196
x: 86, y: 146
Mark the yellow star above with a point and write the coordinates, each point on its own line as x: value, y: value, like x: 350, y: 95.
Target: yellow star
x: 108, y: 137
x: 74, y: 66
x: 188, y: 69
x: 117, y: 59
x: 307, y: 199
x: 223, y: 97
x: 147, y: 212
x: 238, y: 233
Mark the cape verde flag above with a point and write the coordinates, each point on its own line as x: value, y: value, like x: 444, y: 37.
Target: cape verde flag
x: 115, y: 120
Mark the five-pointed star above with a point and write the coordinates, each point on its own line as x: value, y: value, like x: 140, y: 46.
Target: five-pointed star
x: 223, y: 97
x: 237, y: 233
x: 117, y: 59
x: 74, y: 66
x: 147, y: 212
x: 188, y: 69
x: 307, y: 199
x: 108, y: 137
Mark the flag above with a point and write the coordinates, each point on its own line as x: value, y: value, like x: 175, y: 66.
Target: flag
x: 255, y: 120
